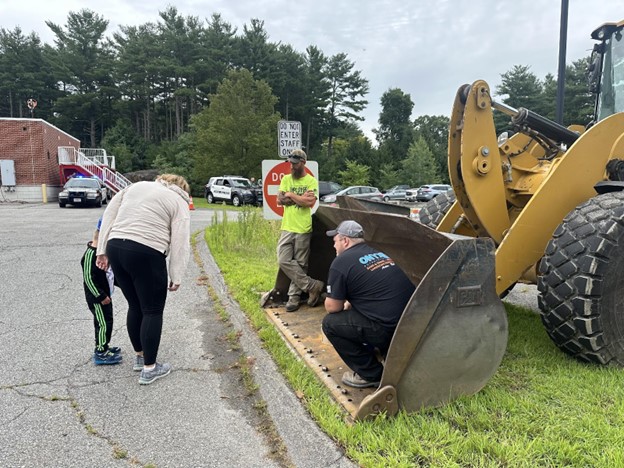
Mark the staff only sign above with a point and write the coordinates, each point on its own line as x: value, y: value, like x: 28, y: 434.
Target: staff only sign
x: 272, y: 173
x: 288, y: 137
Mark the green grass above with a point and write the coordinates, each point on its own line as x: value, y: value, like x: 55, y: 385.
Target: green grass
x: 200, y: 202
x: 541, y: 408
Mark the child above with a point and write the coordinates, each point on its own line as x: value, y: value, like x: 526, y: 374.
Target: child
x: 98, y: 289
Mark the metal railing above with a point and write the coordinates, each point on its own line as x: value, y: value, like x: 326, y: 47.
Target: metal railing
x: 100, y: 156
x: 96, y: 163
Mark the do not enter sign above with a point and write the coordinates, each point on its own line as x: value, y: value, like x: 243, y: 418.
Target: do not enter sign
x: 272, y: 173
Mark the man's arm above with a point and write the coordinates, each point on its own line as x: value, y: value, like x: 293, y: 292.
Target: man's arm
x: 308, y: 199
x: 334, y: 305
x: 284, y: 200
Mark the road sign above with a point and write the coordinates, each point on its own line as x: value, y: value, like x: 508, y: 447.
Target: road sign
x: 288, y: 137
x: 272, y: 173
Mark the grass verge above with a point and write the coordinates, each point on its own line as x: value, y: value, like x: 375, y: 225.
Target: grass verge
x: 541, y: 408
x: 200, y: 202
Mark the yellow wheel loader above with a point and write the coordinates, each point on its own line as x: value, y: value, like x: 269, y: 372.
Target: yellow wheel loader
x: 544, y: 206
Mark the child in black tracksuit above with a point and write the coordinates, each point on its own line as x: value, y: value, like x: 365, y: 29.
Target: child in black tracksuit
x: 97, y: 288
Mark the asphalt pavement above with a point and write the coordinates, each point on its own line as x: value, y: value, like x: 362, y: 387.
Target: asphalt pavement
x: 58, y: 409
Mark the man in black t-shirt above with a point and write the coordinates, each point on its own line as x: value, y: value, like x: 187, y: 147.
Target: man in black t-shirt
x: 366, y: 295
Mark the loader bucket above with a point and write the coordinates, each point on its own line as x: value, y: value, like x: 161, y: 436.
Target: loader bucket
x: 453, y: 332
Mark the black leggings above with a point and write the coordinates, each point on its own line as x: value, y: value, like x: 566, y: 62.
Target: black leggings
x: 141, y: 273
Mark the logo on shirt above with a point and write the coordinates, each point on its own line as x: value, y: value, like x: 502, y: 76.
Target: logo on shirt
x: 376, y: 260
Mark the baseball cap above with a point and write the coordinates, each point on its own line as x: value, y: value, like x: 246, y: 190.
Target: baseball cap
x: 348, y: 228
x: 297, y: 155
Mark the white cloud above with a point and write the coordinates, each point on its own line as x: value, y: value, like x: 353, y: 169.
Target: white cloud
x: 427, y: 48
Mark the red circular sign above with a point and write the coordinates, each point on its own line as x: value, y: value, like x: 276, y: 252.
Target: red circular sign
x: 273, y: 179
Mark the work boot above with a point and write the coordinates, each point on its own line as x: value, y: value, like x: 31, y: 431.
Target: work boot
x: 293, y: 303
x: 315, y: 293
x: 353, y: 379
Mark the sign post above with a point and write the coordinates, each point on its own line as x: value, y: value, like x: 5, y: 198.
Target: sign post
x: 272, y: 173
x: 288, y: 137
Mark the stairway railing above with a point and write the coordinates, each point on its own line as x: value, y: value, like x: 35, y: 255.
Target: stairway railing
x: 95, y: 164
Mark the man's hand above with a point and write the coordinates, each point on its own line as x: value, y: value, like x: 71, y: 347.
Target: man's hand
x: 106, y: 301
x: 284, y: 199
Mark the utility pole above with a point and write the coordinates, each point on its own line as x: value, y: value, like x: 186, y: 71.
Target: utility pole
x: 563, y: 37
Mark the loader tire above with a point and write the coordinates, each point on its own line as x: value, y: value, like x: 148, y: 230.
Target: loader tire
x: 581, y: 282
x: 434, y: 210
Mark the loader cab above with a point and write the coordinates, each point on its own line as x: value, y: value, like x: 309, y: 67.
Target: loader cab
x: 606, y: 70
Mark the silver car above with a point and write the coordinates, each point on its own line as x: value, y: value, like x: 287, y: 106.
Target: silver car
x: 426, y: 192
x: 398, y: 192
x: 357, y: 191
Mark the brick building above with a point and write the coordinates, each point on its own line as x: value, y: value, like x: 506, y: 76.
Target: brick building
x: 32, y: 146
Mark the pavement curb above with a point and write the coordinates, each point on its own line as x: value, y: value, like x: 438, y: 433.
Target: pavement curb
x: 306, y: 444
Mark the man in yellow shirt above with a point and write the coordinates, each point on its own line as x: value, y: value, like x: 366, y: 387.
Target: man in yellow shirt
x: 298, y: 192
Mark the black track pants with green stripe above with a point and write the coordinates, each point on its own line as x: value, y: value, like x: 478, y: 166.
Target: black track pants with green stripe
x: 103, y: 324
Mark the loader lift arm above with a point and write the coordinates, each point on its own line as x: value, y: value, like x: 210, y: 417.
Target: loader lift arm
x: 515, y: 192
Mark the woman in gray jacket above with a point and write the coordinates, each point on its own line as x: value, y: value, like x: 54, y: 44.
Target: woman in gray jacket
x: 142, y: 225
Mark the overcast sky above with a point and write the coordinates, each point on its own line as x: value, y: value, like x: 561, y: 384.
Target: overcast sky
x: 426, y: 48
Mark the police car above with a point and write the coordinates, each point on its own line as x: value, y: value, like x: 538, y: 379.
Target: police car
x: 232, y: 189
x: 83, y: 191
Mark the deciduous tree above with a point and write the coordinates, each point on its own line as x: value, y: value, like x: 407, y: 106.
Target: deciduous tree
x: 395, y: 132
x: 354, y: 174
x: 238, y: 130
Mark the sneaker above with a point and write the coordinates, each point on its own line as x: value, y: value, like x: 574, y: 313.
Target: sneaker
x: 315, y: 293
x: 106, y: 358
x: 352, y: 379
x: 139, y: 362
x: 293, y: 303
x: 114, y: 349
x: 148, y: 377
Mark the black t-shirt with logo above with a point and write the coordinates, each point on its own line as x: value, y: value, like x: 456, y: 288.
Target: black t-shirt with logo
x: 371, y: 281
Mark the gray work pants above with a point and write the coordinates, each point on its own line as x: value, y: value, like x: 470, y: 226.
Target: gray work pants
x: 293, y: 251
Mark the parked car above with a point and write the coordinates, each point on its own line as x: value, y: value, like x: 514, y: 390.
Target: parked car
x: 236, y: 190
x: 325, y: 188
x: 357, y: 191
x: 83, y: 191
x: 427, y: 192
x: 395, y: 193
x: 256, y: 188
